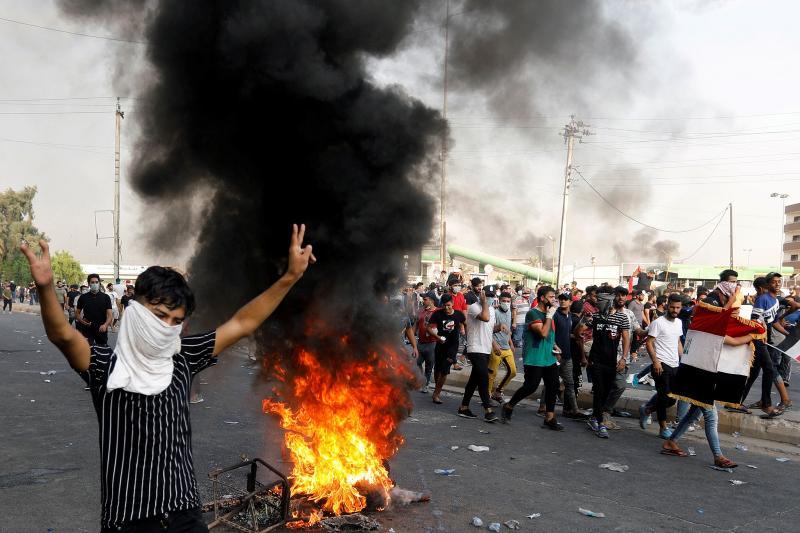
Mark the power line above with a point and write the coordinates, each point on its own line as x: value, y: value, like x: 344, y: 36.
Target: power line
x: 721, y: 216
x: 67, y: 98
x: 615, y: 208
x: 79, y: 34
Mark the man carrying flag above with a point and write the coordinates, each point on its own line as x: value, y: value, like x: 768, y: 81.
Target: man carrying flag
x: 715, y: 367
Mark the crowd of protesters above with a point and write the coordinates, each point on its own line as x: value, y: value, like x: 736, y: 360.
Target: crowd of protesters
x: 487, y: 329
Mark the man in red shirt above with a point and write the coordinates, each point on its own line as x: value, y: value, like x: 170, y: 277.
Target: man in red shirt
x: 426, y: 343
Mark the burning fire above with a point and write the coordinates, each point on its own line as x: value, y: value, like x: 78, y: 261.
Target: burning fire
x: 341, y: 427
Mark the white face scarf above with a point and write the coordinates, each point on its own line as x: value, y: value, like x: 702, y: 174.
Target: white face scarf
x: 145, y: 346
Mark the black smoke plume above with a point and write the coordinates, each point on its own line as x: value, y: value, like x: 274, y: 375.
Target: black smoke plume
x: 262, y: 113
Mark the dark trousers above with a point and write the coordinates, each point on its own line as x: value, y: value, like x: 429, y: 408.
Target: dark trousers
x: 761, y: 362
x: 478, y: 378
x: 8, y: 302
x: 663, y: 388
x: 533, y: 375
x: 189, y: 521
x: 94, y: 335
x: 602, y: 381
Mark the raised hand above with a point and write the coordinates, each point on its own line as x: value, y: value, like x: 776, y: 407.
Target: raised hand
x: 41, y: 269
x: 299, y: 256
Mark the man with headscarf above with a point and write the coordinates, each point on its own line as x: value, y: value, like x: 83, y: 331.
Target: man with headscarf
x: 140, y: 389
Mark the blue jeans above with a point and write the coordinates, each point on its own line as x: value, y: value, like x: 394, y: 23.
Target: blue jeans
x: 710, y: 416
x: 517, y: 334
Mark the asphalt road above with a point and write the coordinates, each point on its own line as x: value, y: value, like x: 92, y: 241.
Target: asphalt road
x: 49, y: 465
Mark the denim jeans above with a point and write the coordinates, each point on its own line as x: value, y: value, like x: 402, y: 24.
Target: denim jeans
x: 517, y: 335
x: 565, y: 370
x: 426, y: 352
x: 710, y: 416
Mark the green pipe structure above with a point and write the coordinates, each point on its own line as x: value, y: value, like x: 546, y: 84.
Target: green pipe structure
x: 529, y: 272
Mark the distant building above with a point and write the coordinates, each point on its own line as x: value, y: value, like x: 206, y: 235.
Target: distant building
x: 791, y: 237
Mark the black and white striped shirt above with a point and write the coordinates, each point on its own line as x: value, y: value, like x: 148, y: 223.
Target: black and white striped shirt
x: 146, y: 441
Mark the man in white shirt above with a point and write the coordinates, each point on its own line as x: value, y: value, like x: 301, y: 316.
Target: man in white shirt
x: 480, y: 327
x: 664, y: 346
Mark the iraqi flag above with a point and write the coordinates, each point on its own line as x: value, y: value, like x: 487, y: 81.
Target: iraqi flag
x: 711, y: 370
x: 790, y: 345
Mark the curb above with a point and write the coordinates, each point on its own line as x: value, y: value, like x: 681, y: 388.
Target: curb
x: 784, y: 430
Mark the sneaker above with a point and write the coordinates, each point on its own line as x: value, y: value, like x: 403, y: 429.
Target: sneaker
x: 498, y: 397
x: 665, y: 433
x: 553, y: 425
x: 424, y: 390
x: 506, y: 411
x: 466, y: 413
x: 644, y: 418
x: 197, y: 399
x: 575, y: 415
x: 602, y: 432
x: 490, y: 417
x: 610, y: 424
x: 593, y: 425
x: 693, y: 427
x: 755, y: 405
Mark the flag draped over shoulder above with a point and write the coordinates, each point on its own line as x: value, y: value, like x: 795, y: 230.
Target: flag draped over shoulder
x: 711, y: 370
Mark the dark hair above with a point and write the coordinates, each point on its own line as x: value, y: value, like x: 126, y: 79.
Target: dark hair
x: 505, y: 295
x: 444, y: 299
x: 476, y: 281
x: 604, y: 289
x: 543, y: 290
x: 661, y: 300
x: 619, y: 289
x: 591, y: 288
x: 760, y: 282
x: 772, y: 275
x: 687, y: 290
x: 576, y: 307
x: 675, y: 298
x: 564, y: 296
x: 162, y: 285
x: 418, y: 285
x: 90, y: 276
x: 702, y: 290
x: 727, y: 273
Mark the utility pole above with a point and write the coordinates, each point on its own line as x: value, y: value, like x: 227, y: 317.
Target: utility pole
x: 748, y: 251
x: 730, y: 219
x: 443, y: 191
x: 573, y: 130
x: 783, y: 197
x: 539, y: 264
x: 118, y: 116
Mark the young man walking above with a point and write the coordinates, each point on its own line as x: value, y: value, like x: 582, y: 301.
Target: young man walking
x: 94, y: 313
x: 426, y: 343
x: 502, y: 349
x: 445, y: 324
x: 540, y: 359
x: 664, y: 346
x: 563, y: 331
x: 609, y: 326
x: 480, y: 326
x: 140, y: 389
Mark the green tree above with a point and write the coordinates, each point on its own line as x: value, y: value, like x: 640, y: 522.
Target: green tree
x: 67, y: 267
x: 16, y: 223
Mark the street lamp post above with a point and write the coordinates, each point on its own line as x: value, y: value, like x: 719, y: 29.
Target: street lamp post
x: 539, y: 264
x: 553, y: 241
x: 783, y: 197
x: 748, y: 251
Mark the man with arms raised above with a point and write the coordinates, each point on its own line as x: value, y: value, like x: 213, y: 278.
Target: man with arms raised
x: 141, y: 387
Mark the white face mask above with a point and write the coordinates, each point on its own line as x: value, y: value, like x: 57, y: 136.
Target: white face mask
x: 94, y: 287
x: 505, y: 306
x: 144, y: 350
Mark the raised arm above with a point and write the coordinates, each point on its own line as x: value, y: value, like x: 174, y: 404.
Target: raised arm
x: 247, y: 319
x: 71, y: 343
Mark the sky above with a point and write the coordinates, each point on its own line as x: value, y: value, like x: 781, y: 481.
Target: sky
x: 708, y: 115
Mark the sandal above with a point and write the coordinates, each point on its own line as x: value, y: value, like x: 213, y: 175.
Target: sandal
x: 674, y: 452
x: 739, y: 409
x: 724, y: 462
x: 437, y: 401
x: 785, y: 406
x: 775, y: 413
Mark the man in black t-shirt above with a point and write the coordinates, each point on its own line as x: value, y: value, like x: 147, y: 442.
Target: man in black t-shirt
x: 71, y: 295
x: 94, y: 313
x: 609, y: 326
x: 445, y: 324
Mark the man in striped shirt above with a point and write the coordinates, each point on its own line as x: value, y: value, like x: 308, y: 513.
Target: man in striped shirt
x: 140, y: 389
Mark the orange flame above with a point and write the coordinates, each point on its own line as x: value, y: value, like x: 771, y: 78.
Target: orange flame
x: 342, y: 427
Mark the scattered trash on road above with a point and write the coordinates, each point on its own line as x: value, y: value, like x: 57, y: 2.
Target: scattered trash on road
x: 484, y: 431
x: 534, y: 515
x: 477, y: 522
x: 782, y: 459
x: 691, y: 451
x: 740, y: 446
x: 614, y: 467
x: 752, y: 466
x: 48, y: 373
x: 735, y: 434
x: 512, y: 524
x: 47, y: 381
x: 444, y: 471
x: 700, y: 511
x: 715, y: 467
x: 231, y: 422
x: 475, y: 448
x: 413, y: 419
x: 587, y: 512
x: 737, y: 482
x: 454, y: 448
x: 453, y: 426
x: 494, y: 526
